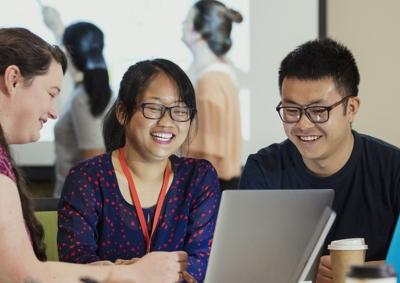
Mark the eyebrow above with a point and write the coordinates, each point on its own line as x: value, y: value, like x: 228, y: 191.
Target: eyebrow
x: 159, y: 99
x: 289, y: 101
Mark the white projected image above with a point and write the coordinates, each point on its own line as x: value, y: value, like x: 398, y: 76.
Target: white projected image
x: 134, y: 31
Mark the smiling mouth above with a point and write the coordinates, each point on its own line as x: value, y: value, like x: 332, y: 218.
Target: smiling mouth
x: 163, y: 137
x: 309, y: 138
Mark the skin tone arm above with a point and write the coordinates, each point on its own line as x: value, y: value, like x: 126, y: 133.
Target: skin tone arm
x: 19, y: 262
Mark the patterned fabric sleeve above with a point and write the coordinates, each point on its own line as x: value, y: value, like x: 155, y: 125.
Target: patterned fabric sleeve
x: 5, y: 165
x: 203, y: 215
x: 78, y: 215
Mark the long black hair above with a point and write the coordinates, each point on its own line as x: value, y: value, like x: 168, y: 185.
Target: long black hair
x: 85, y: 42
x: 134, y: 83
x: 33, y: 57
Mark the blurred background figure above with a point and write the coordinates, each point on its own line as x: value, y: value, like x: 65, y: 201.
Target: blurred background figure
x: 78, y: 130
x: 206, y: 31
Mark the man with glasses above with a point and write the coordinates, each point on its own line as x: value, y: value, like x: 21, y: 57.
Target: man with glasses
x: 319, y: 101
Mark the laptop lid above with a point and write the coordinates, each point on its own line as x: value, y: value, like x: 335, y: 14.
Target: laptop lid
x: 267, y: 235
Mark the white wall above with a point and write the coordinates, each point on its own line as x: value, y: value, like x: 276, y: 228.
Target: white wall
x: 277, y: 27
x: 371, y: 29
x: 273, y: 28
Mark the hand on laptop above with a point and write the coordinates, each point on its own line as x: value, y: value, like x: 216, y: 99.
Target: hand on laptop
x: 324, y: 270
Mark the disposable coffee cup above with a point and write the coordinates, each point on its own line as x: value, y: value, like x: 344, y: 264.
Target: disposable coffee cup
x: 345, y: 253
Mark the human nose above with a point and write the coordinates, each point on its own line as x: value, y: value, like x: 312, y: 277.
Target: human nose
x: 166, y: 117
x: 304, y: 121
x: 53, y: 112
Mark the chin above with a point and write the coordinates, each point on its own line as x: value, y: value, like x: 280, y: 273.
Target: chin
x: 34, y: 138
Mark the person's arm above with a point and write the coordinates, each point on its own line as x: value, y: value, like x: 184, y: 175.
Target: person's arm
x: 252, y: 177
x: 78, y: 215
x: 19, y: 263
x: 202, y: 219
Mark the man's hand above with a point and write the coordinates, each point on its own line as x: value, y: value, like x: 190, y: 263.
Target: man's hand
x: 324, y: 270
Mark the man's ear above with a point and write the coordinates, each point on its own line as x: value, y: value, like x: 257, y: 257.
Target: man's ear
x: 12, y: 77
x: 353, y: 106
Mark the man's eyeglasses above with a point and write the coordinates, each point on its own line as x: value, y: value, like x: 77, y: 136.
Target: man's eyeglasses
x: 316, y: 114
x: 157, y: 111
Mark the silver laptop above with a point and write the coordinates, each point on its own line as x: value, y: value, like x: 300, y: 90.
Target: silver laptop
x: 269, y: 235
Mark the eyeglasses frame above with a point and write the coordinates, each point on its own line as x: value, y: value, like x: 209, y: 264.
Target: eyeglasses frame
x: 305, y: 108
x: 165, y: 109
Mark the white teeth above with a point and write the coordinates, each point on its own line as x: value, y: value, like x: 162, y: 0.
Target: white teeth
x: 163, y: 136
x: 309, y: 138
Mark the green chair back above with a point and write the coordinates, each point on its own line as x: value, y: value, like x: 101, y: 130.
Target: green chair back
x: 48, y: 219
x: 46, y: 213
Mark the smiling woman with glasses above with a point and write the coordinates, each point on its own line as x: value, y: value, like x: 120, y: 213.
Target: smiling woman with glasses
x: 316, y: 114
x: 139, y: 197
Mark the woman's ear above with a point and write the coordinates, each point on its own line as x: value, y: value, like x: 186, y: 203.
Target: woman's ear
x: 120, y: 114
x: 12, y: 76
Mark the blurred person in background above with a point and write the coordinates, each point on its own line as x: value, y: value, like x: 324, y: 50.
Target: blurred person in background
x: 78, y: 130
x: 207, y: 31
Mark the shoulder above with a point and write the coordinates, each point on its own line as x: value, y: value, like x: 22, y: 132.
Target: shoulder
x: 192, y: 165
x: 272, y: 153
x: 378, y: 147
x: 195, y: 174
x: 93, y: 165
x: 5, y: 165
x: 197, y: 177
x: 215, y: 79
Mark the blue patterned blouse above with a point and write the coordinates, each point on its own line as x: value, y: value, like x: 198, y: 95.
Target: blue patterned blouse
x: 96, y: 223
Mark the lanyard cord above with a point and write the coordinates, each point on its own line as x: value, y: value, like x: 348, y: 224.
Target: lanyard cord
x: 136, y: 201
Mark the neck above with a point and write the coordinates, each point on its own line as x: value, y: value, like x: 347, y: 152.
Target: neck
x: 202, y: 56
x: 143, y: 170
x: 328, y: 166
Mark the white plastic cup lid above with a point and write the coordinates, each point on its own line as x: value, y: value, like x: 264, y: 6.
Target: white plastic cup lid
x: 348, y: 244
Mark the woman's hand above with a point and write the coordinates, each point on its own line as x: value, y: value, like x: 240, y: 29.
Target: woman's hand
x: 102, y: 262
x: 156, y: 267
x: 127, y: 261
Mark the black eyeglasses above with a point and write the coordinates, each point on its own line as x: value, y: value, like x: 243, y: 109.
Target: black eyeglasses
x: 157, y: 111
x: 316, y: 114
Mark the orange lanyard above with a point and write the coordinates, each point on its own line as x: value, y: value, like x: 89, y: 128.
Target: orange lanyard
x: 136, y: 201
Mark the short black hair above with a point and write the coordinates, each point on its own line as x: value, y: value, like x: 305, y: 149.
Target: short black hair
x: 322, y: 58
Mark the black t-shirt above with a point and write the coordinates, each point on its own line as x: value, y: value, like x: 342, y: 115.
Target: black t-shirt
x: 367, y: 187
